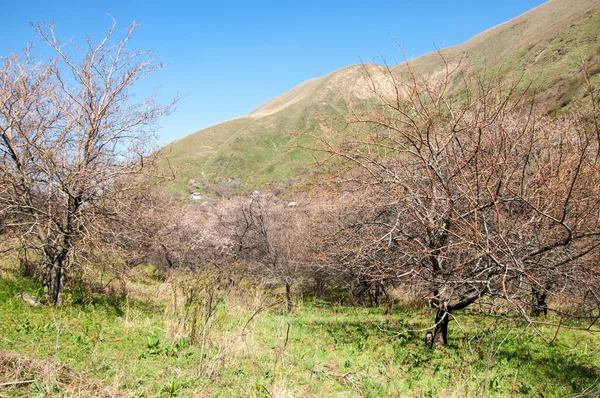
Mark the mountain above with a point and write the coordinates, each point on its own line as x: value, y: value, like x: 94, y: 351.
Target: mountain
x: 263, y: 147
x: 547, y: 45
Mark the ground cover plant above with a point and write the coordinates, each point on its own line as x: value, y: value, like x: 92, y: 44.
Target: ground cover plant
x: 254, y: 348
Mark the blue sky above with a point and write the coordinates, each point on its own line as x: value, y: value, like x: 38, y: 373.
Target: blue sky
x: 230, y: 57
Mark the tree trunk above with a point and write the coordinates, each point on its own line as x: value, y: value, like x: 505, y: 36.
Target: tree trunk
x: 442, y: 317
x: 291, y: 307
x: 440, y: 335
x: 54, y: 274
x: 540, y: 304
x: 378, y: 294
x: 358, y: 292
x: 28, y: 268
x: 55, y: 283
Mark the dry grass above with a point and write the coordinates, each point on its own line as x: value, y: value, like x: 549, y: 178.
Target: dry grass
x: 409, y: 296
x: 494, y: 44
x: 23, y: 376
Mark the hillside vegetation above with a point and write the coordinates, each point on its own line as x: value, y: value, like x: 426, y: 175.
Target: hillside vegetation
x: 545, y: 48
x: 249, y: 347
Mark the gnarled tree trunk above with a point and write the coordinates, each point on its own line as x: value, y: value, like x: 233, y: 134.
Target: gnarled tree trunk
x: 440, y: 335
x: 54, y: 282
x: 55, y: 271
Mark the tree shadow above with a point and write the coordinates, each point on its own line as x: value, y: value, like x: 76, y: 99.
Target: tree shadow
x: 553, y: 367
x: 114, y: 305
x: 524, y: 364
x: 11, y: 287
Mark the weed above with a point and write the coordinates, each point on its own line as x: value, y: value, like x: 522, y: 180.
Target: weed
x: 45, y: 389
x: 171, y: 387
x: 252, y: 350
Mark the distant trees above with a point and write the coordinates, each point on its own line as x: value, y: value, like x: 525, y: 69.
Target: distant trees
x: 270, y: 238
x: 186, y: 236
x: 70, y: 130
x: 471, y: 194
x: 347, y: 250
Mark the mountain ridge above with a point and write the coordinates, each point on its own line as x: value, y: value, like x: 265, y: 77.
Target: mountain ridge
x: 539, y: 22
x: 262, y: 148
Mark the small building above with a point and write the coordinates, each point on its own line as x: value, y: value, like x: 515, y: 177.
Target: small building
x: 196, y: 196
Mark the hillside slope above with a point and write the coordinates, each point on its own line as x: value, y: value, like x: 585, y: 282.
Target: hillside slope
x: 548, y: 45
x: 263, y: 147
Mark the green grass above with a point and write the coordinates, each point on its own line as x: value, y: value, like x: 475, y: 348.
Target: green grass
x: 323, y: 350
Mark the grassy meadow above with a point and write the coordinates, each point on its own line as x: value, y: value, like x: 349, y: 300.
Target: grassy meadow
x: 243, y: 344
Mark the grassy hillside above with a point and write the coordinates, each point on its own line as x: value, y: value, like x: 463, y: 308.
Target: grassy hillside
x: 546, y: 46
x: 264, y: 147
x: 534, y: 27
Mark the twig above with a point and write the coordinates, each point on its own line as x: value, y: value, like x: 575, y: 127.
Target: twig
x: 591, y: 391
x: 14, y: 383
x: 557, y: 329
x: 351, y: 378
x: 463, y: 330
x: 415, y: 330
x: 312, y: 371
x: 266, y: 390
x: 258, y: 311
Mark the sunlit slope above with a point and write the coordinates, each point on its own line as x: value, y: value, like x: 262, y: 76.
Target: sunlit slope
x: 546, y: 46
x: 267, y: 146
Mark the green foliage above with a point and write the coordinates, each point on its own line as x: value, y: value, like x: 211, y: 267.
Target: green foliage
x: 171, y: 387
x: 323, y: 350
x: 165, y: 348
x: 45, y: 389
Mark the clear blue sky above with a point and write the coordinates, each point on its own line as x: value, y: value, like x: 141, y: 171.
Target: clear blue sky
x: 230, y: 57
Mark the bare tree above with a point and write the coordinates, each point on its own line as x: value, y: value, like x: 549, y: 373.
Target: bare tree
x: 69, y: 130
x: 270, y: 238
x: 472, y: 193
x: 345, y: 247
